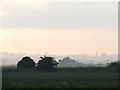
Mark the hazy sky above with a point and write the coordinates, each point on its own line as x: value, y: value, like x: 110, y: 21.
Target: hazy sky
x: 59, y: 28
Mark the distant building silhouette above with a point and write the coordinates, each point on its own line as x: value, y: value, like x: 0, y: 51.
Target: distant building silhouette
x: 96, y: 54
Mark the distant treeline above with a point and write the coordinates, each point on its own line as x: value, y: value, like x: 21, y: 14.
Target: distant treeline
x: 50, y: 64
x: 109, y: 68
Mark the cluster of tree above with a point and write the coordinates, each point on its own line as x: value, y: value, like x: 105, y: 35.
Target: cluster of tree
x: 48, y: 63
x: 114, y: 64
x: 45, y: 63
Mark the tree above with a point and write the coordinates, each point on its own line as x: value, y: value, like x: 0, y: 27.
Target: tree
x: 26, y: 62
x: 114, y: 64
x: 46, y: 63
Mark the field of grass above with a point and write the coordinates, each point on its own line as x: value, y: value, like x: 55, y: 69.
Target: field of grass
x: 89, y: 77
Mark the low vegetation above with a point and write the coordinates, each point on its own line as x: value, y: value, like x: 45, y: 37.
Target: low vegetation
x: 77, y: 77
x: 60, y: 77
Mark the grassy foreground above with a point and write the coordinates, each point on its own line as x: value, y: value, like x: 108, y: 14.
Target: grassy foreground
x: 87, y: 77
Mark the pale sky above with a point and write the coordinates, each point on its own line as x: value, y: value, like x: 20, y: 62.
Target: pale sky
x: 59, y: 28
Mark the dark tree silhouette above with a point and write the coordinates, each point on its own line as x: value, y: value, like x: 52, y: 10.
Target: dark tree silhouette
x: 46, y: 63
x: 114, y: 64
x: 26, y: 62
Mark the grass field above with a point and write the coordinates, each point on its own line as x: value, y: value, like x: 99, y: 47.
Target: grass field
x: 89, y: 77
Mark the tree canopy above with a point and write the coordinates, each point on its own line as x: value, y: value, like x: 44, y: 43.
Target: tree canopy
x: 26, y: 62
x: 46, y: 63
x: 114, y: 64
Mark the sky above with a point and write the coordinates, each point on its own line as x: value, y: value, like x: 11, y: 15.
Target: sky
x: 59, y: 28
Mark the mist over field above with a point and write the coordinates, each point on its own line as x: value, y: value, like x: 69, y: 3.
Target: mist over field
x: 13, y: 58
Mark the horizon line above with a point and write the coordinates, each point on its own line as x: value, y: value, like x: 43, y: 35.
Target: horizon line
x: 97, y: 53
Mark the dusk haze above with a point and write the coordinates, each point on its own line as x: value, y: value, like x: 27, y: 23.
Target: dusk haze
x: 59, y: 44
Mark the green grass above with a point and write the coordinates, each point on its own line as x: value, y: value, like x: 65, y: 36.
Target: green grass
x: 89, y: 77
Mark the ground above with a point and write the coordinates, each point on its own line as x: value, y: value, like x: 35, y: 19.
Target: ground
x: 60, y: 78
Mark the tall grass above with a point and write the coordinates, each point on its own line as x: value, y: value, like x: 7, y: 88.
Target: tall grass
x: 76, y: 77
